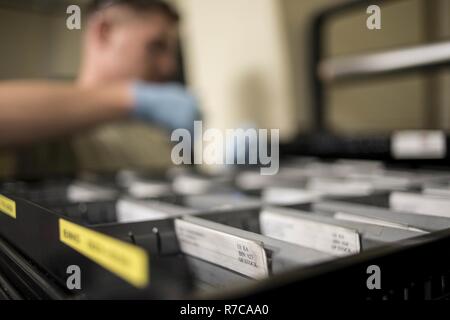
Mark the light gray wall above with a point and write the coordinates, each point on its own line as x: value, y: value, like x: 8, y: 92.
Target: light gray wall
x: 37, y: 44
x: 25, y: 40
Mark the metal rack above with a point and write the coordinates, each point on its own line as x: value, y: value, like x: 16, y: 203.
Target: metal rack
x: 325, y: 71
x: 34, y: 259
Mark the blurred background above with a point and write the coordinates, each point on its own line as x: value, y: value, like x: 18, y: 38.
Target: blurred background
x: 248, y: 61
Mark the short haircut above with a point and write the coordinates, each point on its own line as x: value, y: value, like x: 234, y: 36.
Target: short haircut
x: 157, y: 6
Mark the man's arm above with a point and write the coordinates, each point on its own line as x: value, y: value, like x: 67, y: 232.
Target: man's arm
x: 32, y: 111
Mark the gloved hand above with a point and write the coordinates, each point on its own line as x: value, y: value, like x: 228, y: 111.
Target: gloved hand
x: 168, y: 105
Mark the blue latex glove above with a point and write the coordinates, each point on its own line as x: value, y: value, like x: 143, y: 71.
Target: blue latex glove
x: 168, y: 105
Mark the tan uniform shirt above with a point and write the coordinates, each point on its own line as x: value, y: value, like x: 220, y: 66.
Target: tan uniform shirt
x: 105, y: 149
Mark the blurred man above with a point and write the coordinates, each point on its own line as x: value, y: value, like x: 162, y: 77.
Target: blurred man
x: 129, y: 39
x: 129, y: 52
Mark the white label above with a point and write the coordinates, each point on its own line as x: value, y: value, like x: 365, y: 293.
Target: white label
x: 132, y: 211
x: 437, y: 191
x: 316, y: 235
x: 238, y: 254
x: 391, y: 182
x: 87, y: 193
x: 142, y: 189
x: 192, y: 185
x: 377, y: 222
x: 252, y: 180
x: 279, y: 195
x: 419, y: 145
x: 420, y: 204
x: 339, y: 186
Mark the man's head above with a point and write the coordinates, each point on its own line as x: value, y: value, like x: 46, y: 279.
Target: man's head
x: 130, y: 40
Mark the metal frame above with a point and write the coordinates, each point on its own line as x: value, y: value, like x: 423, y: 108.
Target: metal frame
x: 325, y: 71
x: 413, y: 268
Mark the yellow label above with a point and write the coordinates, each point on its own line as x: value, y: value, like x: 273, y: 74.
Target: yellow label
x: 125, y: 260
x: 7, y: 206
